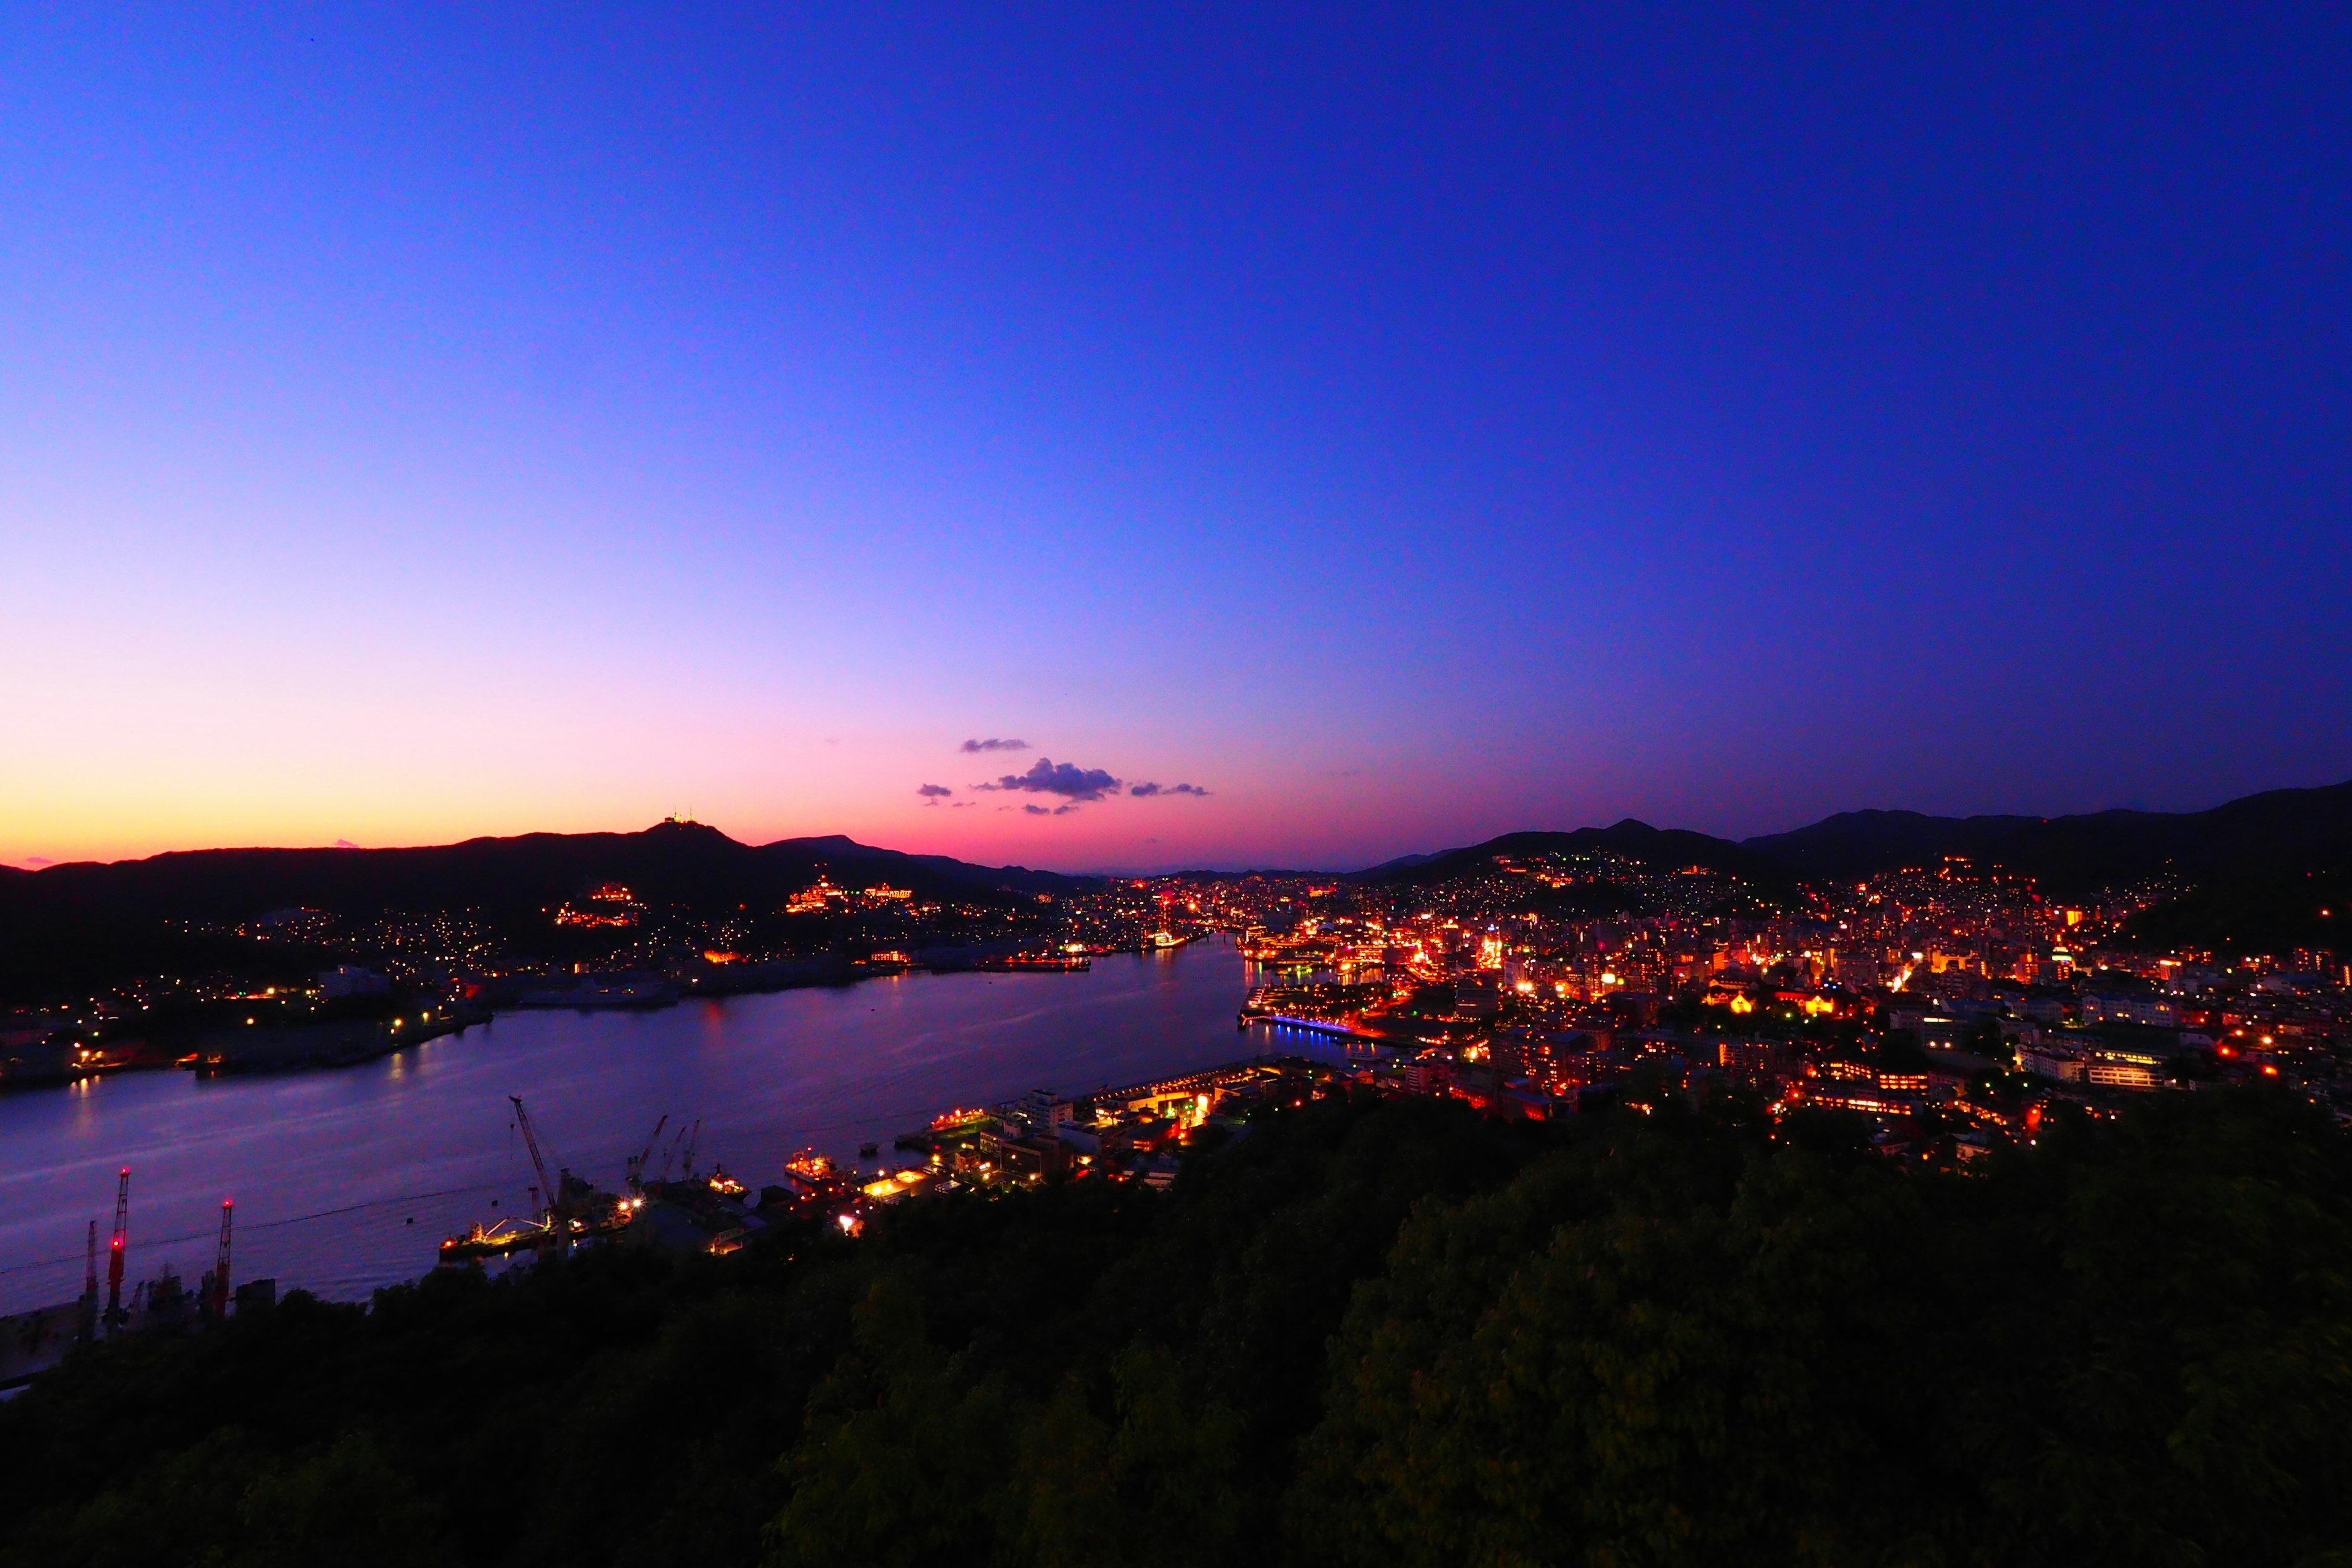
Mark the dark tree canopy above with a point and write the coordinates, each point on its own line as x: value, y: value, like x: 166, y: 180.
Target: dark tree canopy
x: 1366, y: 1332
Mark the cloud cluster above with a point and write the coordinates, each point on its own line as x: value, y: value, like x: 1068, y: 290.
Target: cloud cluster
x: 1072, y: 784
x: 1046, y: 776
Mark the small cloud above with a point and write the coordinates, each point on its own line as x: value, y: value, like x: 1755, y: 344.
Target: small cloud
x: 972, y: 747
x: 345, y: 843
x: 933, y: 794
x: 1067, y: 780
x: 1048, y: 810
x: 38, y: 860
x: 1145, y: 790
x: 962, y: 805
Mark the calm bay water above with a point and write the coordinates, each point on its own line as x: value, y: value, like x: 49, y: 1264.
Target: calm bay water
x: 347, y: 1179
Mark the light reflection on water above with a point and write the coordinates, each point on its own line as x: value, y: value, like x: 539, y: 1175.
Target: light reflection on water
x: 347, y: 1179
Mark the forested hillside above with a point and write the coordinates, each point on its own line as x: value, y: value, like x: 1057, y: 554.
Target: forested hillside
x: 1378, y: 1332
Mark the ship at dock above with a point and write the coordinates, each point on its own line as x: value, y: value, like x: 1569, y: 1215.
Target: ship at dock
x: 567, y: 1209
x: 698, y: 1212
x: 1036, y: 963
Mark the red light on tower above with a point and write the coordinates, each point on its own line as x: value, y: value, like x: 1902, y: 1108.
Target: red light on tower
x: 115, y: 1250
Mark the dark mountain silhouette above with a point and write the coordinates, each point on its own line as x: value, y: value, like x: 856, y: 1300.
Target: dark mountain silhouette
x: 2280, y: 833
x: 1668, y: 848
x: 672, y: 863
x: 74, y: 929
x: 1390, y: 868
x: 2266, y: 873
x: 1854, y: 844
x: 2259, y: 838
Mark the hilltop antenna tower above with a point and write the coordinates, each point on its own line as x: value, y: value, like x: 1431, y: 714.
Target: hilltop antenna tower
x: 114, y: 1319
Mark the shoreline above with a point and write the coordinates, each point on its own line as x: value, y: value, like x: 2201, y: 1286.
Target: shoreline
x: 327, y: 1046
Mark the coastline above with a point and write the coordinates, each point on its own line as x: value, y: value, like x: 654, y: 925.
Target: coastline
x: 231, y: 1051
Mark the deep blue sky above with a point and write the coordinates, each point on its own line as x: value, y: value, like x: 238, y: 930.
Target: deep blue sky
x: 1404, y: 424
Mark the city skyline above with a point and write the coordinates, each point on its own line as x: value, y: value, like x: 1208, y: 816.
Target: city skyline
x: 1398, y: 430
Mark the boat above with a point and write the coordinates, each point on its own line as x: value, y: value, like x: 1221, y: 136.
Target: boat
x: 1313, y: 1026
x: 493, y: 1241
x: 1019, y: 963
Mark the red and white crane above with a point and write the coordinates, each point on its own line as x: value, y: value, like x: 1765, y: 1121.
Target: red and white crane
x: 114, y: 1319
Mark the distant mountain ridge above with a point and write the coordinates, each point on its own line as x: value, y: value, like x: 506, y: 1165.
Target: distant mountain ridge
x: 672, y: 862
x: 2277, y: 832
x: 2270, y: 833
x: 1632, y: 839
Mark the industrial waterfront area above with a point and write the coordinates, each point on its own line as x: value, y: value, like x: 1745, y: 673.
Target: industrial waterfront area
x: 347, y: 1179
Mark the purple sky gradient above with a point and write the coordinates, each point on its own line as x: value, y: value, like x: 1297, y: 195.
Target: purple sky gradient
x: 1404, y: 424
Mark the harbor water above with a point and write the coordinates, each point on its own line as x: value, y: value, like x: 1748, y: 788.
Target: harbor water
x: 346, y: 1179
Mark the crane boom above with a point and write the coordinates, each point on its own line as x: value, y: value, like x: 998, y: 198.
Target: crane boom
x: 538, y: 1162
x: 693, y: 1137
x: 638, y: 1162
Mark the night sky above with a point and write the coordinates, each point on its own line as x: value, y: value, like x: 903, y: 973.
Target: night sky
x: 1398, y: 425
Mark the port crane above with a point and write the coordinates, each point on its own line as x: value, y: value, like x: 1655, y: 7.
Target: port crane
x: 114, y: 1317
x: 693, y: 1137
x: 213, y: 1302
x: 537, y: 1161
x: 637, y: 1160
x: 669, y: 1155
